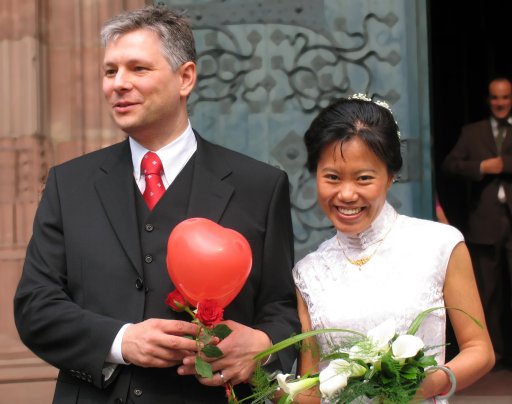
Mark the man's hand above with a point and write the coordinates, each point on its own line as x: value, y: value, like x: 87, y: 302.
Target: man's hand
x: 237, y: 365
x: 492, y: 166
x: 158, y: 343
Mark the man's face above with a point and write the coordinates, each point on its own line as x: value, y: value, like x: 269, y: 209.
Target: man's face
x: 500, y: 98
x: 147, y: 98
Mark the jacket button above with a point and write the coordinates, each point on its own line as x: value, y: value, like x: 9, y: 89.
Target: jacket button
x: 139, y: 283
x: 149, y: 227
x: 137, y: 392
x: 148, y: 259
x: 119, y: 400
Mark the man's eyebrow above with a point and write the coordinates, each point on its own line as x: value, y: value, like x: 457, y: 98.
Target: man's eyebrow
x: 127, y: 62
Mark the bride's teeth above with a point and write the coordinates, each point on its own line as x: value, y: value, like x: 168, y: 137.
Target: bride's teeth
x: 349, y: 211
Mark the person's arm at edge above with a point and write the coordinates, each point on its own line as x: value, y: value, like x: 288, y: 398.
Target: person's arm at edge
x: 43, y: 311
x: 476, y: 356
x: 309, y: 355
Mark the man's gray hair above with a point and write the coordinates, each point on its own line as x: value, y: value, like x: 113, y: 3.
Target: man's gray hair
x: 172, y: 27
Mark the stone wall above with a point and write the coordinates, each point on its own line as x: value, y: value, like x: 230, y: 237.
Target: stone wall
x: 52, y: 110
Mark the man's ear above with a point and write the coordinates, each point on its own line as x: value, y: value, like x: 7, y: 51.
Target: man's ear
x: 188, y: 77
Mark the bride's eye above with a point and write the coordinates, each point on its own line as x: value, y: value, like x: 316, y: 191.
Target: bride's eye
x: 331, y: 177
x: 365, y: 178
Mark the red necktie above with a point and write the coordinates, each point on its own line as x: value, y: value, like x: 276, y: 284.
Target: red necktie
x: 151, y: 167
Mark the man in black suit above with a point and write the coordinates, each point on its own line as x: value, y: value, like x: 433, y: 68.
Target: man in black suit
x: 91, y: 297
x: 483, y: 157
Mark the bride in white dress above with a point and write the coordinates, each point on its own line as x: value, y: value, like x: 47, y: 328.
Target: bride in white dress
x: 382, y: 265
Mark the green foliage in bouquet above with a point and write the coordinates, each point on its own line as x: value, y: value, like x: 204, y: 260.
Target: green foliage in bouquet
x: 381, y: 365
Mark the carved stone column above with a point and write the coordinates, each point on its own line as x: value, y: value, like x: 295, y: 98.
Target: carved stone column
x: 52, y: 110
x: 23, y: 165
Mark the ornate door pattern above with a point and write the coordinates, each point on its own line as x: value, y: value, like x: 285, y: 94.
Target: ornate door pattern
x: 266, y: 68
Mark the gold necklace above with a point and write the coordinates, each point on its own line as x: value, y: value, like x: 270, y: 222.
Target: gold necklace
x: 364, y: 260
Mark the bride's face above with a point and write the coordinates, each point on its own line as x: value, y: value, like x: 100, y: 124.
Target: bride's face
x: 352, y: 186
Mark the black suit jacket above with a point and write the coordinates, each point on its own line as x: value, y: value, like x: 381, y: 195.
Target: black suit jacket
x: 476, y: 143
x: 84, y: 271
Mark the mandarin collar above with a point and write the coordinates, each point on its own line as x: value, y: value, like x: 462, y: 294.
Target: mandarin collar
x: 373, y: 234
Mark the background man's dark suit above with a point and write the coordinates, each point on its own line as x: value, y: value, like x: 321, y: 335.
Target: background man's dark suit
x: 476, y: 143
x: 488, y: 227
x: 87, y: 274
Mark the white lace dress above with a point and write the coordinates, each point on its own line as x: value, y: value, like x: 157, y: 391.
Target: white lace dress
x: 404, y: 277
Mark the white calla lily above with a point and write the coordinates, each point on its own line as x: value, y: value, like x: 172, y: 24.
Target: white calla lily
x: 295, y: 387
x: 382, y: 334
x: 281, y: 380
x: 406, y: 346
x: 334, y: 377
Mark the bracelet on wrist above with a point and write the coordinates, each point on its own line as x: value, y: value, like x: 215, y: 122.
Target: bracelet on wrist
x: 453, y: 382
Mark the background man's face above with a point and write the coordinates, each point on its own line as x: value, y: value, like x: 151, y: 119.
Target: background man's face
x: 500, y: 98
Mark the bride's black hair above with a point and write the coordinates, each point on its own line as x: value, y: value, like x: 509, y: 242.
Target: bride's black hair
x: 346, y: 118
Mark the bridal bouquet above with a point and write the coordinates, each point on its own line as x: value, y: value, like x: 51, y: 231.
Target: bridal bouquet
x: 380, y: 365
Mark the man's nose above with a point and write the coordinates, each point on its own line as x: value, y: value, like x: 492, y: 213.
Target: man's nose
x: 122, y: 81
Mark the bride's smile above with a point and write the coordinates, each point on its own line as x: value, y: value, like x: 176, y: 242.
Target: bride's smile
x: 352, y: 184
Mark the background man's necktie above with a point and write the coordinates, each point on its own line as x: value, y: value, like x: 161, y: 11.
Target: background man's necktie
x: 151, y: 167
x: 502, y: 133
x: 503, y: 129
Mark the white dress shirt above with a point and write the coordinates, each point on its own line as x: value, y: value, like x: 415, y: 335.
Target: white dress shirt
x: 173, y: 156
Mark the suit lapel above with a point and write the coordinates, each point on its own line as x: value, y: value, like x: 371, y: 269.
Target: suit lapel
x: 116, y: 192
x: 210, y: 194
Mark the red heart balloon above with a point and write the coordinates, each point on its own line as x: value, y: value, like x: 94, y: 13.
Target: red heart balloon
x: 207, y: 261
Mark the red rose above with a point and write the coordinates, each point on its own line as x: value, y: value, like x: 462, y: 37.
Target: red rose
x: 176, y: 301
x: 209, y: 312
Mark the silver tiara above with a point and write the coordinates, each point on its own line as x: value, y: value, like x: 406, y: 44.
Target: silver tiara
x: 364, y: 97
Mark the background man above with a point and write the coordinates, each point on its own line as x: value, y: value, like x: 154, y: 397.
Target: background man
x: 483, y: 157
x: 91, y: 297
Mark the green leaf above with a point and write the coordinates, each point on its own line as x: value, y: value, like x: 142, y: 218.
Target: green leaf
x: 296, y: 338
x: 338, y: 355
x: 221, y: 331
x: 211, y: 351
x: 420, y: 317
x: 409, y: 376
x: 427, y: 361
x: 410, y: 372
x: 371, y: 372
x: 390, y: 368
x: 285, y: 399
x: 203, y: 369
x: 409, y: 369
x: 263, y: 387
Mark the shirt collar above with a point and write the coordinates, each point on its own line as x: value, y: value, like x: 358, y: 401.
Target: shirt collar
x: 494, y: 122
x: 174, y: 156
